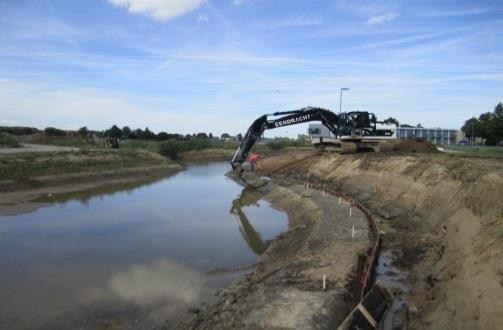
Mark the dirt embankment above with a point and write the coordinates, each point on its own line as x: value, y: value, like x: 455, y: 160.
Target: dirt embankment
x: 286, y: 290
x: 26, y: 177
x: 443, y: 213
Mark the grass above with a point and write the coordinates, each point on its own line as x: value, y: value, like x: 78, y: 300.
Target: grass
x: 173, y: 149
x: 7, y: 141
x: 476, y: 151
x: 26, y: 166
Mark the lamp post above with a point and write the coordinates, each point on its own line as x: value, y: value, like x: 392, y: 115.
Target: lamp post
x: 340, y: 99
x: 473, y: 138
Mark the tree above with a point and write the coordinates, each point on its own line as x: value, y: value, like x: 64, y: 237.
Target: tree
x: 162, y: 136
x: 126, y: 132
x: 51, y: 131
x: 391, y: 120
x: 225, y: 136
x: 210, y: 136
x: 488, y: 126
x: 83, y: 131
x: 137, y: 134
x: 201, y: 136
x: 114, y: 132
x: 240, y: 137
x: 148, y: 134
x: 472, y: 128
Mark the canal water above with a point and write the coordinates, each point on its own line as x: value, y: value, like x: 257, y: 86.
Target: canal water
x: 130, y: 256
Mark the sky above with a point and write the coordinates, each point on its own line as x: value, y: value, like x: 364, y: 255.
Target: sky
x: 188, y: 66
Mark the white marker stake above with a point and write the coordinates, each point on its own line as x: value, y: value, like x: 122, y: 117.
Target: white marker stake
x: 353, y: 233
x: 308, y: 185
x: 339, y: 201
x: 323, y: 193
x: 324, y: 282
x: 350, y: 211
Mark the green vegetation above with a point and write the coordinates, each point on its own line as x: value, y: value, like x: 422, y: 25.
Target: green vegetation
x: 16, y: 130
x: 476, y: 151
x: 25, y: 166
x: 7, y: 141
x: 488, y: 126
x: 51, y: 131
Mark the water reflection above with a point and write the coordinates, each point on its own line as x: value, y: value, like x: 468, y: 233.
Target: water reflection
x: 254, y: 240
x: 85, y: 196
x: 162, y: 280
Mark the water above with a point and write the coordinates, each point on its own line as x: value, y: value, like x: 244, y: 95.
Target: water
x: 130, y: 256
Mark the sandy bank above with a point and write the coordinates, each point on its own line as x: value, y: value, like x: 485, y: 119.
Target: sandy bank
x: 442, y: 213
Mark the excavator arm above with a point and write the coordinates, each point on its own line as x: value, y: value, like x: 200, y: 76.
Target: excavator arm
x: 257, y: 128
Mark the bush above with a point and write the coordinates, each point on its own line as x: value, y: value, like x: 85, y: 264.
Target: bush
x: 173, y: 148
x: 51, y: 131
x: 170, y: 149
x: 18, y: 130
x: 8, y: 141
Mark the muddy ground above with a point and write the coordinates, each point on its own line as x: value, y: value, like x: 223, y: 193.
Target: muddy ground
x: 442, y: 214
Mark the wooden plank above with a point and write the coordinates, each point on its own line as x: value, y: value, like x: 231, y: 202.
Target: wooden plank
x: 366, y: 314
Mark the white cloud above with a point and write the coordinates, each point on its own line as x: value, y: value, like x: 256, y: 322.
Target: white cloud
x: 159, y: 9
x: 381, y: 19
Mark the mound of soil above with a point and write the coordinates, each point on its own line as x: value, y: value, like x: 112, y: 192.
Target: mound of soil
x: 415, y: 145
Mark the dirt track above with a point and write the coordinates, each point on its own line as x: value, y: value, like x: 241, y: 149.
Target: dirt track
x: 442, y: 213
x: 31, y: 148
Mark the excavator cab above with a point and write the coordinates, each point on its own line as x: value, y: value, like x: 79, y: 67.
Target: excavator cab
x: 357, y: 123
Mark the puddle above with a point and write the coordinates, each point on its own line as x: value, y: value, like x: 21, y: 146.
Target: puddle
x: 388, y: 274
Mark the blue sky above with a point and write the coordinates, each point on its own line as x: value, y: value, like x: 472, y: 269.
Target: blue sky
x: 215, y: 65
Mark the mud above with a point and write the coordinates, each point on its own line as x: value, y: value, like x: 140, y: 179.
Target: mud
x: 286, y: 289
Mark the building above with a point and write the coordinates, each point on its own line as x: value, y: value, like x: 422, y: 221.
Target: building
x: 434, y: 135
x: 440, y: 136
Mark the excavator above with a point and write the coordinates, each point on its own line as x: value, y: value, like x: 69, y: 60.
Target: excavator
x: 353, y: 131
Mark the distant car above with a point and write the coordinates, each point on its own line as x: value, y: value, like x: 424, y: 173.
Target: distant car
x: 463, y: 143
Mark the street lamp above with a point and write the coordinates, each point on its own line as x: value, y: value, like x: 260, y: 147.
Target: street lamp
x: 340, y: 103
x: 473, y: 138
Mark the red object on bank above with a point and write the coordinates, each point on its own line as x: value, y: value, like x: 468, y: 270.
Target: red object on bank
x: 254, y: 158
